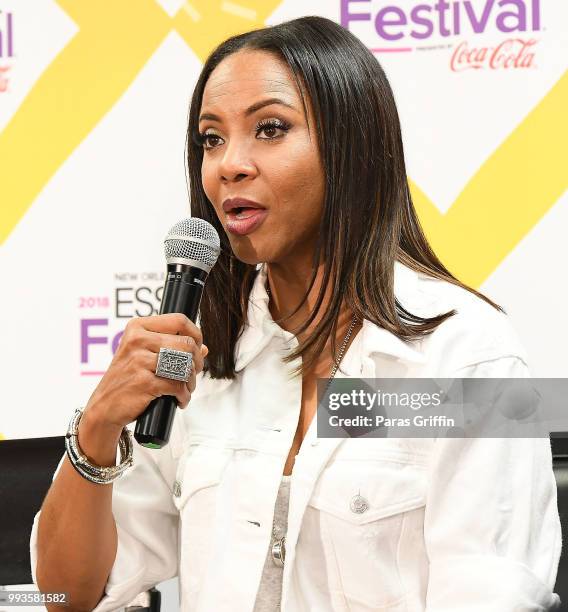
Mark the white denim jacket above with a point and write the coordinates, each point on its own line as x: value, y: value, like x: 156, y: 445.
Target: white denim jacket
x: 452, y: 525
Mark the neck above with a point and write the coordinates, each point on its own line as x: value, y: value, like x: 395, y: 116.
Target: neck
x: 287, y: 288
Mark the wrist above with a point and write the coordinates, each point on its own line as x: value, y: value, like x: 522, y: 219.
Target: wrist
x: 98, y: 439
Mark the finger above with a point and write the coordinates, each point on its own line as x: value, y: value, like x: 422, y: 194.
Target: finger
x: 192, y: 382
x: 166, y: 386
x: 184, y: 405
x: 151, y: 359
x: 181, y: 392
x: 198, y: 360
x: 154, y: 341
x: 172, y: 323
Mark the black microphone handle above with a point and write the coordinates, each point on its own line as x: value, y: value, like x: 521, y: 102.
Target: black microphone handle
x: 182, y: 293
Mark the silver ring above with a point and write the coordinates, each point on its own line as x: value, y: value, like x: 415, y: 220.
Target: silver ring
x: 173, y: 364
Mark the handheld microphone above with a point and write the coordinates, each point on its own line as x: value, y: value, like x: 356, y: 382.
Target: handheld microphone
x: 192, y: 247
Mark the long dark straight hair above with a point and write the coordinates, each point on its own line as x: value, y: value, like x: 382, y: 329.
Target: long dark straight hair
x: 368, y: 220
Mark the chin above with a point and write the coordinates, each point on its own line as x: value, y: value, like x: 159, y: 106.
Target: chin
x: 248, y: 255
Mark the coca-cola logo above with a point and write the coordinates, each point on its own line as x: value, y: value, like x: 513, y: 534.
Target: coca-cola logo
x: 422, y: 25
x: 6, y: 47
x: 509, y: 54
x: 4, y: 78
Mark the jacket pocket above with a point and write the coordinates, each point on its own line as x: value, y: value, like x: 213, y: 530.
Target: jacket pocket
x: 200, y: 467
x: 196, y: 495
x: 361, y: 510
x: 388, y: 487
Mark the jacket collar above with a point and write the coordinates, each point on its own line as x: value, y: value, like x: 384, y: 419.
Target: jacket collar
x: 260, y: 328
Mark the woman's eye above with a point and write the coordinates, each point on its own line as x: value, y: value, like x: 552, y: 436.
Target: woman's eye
x: 208, y: 141
x: 270, y: 128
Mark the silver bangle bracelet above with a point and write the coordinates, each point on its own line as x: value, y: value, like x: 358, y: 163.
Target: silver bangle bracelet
x: 96, y: 473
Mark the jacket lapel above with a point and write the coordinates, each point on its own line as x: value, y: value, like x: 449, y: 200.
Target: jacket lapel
x: 358, y: 362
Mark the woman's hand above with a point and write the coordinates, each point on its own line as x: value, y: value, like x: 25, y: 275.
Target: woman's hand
x: 130, y: 383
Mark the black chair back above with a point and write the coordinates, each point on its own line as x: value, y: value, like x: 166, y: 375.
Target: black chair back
x: 560, y: 463
x: 26, y: 472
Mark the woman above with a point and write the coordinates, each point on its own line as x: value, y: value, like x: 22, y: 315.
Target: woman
x: 298, y: 120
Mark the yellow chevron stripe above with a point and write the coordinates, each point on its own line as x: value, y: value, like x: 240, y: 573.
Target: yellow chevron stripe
x: 74, y: 93
x: 507, y: 197
x: 510, y: 193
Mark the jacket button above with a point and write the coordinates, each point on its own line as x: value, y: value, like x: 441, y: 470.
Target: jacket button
x: 177, y: 489
x: 359, y: 504
x: 279, y: 551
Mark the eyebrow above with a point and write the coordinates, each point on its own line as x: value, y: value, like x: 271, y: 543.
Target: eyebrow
x: 251, y: 109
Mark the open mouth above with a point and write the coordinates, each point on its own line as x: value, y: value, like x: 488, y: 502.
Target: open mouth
x: 243, y: 212
x: 242, y: 221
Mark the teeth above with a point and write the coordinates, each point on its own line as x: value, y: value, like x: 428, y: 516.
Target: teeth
x: 244, y: 215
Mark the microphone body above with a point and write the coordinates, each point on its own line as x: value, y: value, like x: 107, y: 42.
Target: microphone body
x: 192, y: 247
x: 182, y: 293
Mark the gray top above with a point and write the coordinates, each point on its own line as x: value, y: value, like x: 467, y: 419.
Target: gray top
x: 270, y: 589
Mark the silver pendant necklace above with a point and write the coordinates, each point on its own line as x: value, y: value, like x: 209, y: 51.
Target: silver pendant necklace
x: 278, y: 547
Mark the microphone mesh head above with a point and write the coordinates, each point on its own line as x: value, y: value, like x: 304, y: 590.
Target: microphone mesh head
x: 193, y: 238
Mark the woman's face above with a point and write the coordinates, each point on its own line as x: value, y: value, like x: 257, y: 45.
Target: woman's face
x: 262, y: 153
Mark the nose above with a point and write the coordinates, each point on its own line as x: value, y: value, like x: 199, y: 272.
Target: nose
x: 236, y: 164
